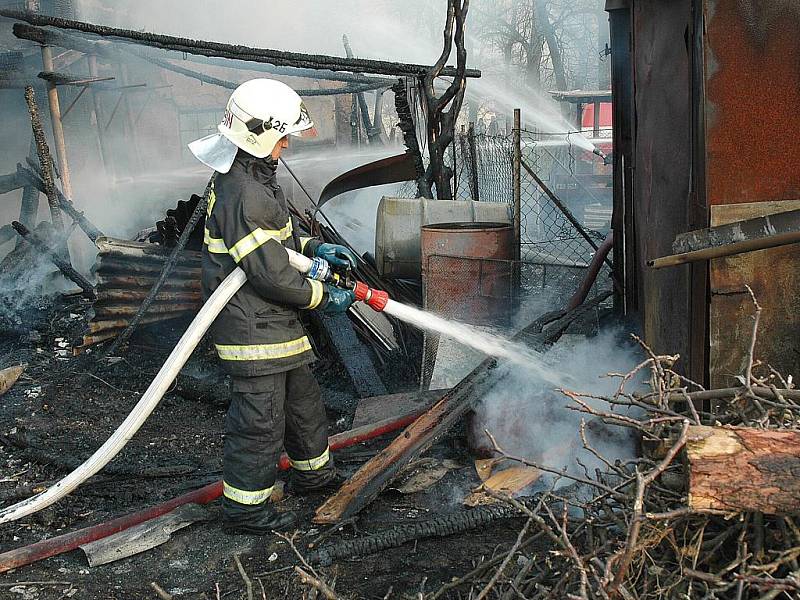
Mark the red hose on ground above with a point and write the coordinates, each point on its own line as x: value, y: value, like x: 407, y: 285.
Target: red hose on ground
x: 70, y: 541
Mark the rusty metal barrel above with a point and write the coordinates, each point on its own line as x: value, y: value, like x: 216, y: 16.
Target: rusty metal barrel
x: 467, y: 271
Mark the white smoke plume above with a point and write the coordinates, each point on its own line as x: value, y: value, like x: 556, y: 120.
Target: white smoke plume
x: 529, y: 418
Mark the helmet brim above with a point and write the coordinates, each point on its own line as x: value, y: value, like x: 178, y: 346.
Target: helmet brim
x: 215, y: 151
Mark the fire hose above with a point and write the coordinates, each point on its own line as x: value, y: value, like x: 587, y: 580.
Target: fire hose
x: 40, y: 550
x: 316, y: 268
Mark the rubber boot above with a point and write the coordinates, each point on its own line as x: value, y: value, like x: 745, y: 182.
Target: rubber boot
x: 302, y: 486
x: 260, y: 522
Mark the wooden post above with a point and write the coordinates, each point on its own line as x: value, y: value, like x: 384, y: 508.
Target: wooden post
x: 462, y: 140
x: 98, y: 117
x: 473, y: 162
x: 517, y: 131
x: 45, y: 161
x: 135, y: 162
x: 58, y: 129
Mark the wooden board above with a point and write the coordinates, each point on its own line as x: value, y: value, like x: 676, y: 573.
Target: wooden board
x: 378, y: 408
x: 379, y: 471
x: 144, y: 536
x: 744, y: 469
x: 9, y: 376
x: 510, y: 482
x: 354, y: 355
x: 774, y: 276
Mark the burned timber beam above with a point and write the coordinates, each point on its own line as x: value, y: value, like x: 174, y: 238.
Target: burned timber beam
x: 45, y: 160
x: 69, y: 79
x: 10, y: 182
x: 110, y: 50
x: 63, y: 266
x: 251, y: 54
x: 733, y: 238
x: 29, y: 178
x: 379, y: 471
x: 120, y: 51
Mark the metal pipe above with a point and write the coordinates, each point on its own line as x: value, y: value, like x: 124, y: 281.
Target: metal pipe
x: 579, y: 297
x: 98, y: 116
x: 37, y: 551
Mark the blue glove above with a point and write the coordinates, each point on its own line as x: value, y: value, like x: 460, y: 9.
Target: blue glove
x: 336, y: 255
x: 339, y: 300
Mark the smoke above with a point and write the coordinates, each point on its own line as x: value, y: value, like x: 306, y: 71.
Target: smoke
x: 529, y: 418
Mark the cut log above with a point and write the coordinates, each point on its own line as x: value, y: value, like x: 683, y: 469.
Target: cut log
x: 734, y: 469
x: 379, y: 471
x: 143, y: 537
x: 9, y: 376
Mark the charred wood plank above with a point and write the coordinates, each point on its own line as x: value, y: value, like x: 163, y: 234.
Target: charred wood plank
x: 186, y: 296
x: 126, y: 249
x: 206, y: 48
x: 69, y: 79
x: 353, y: 355
x: 377, y: 473
x: 10, y: 182
x: 35, y: 179
x: 63, y: 266
x: 736, y: 469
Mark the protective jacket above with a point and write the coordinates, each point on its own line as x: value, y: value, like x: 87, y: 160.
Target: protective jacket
x: 247, y: 221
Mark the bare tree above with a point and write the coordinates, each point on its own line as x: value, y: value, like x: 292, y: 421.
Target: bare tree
x: 441, y: 122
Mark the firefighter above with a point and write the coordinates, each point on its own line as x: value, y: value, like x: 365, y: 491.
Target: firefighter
x: 275, y: 400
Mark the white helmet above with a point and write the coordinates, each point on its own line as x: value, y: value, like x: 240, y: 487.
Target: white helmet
x: 260, y: 112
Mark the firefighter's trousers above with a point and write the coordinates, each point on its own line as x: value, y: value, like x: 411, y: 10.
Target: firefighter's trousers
x: 266, y: 414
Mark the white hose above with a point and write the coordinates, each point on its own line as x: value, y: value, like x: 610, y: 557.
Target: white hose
x: 152, y: 396
x: 177, y: 358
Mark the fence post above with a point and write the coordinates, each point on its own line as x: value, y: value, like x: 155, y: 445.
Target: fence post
x: 517, y: 182
x: 455, y: 168
x: 473, y: 163
x: 517, y: 198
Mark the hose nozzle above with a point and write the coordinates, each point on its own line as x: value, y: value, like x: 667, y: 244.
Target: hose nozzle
x: 606, y: 158
x: 375, y: 299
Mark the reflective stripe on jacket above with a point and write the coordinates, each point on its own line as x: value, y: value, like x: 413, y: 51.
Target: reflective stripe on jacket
x: 247, y: 222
